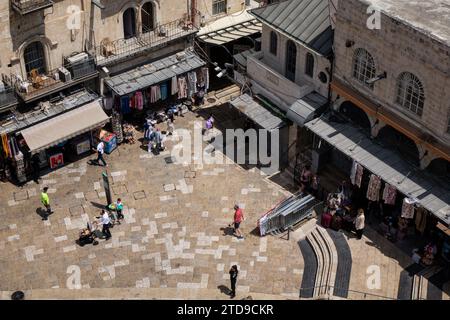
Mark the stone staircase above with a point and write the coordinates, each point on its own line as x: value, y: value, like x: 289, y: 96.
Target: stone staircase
x: 327, y: 259
x: 421, y: 284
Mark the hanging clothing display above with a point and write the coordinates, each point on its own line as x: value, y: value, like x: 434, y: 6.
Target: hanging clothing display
x: 125, y: 104
x: 421, y: 219
x: 389, y: 194
x: 139, y: 100
x: 182, y: 88
x: 164, y: 90
x: 359, y: 175
x: 5, y: 146
x: 174, y: 86
x: 155, y: 94
x: 192, y: 83
x: 373, y: 190
x: 353, y: 172
x: 408, y: 208
x: 205, y: 72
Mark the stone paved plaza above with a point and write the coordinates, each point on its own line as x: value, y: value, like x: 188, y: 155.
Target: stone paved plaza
x: 174, y: 235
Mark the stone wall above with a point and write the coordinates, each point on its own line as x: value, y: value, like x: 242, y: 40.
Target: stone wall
x: 277, y: 62
x: 396, y: 48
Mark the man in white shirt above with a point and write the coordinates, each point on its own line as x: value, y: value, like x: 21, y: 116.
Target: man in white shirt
x: 106, y: 222
x: 100, y: 151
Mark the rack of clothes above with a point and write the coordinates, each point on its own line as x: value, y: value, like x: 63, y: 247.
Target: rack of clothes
x: 183, y: 87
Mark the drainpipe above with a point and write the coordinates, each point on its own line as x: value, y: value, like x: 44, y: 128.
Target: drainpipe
x: 194, y: 12
x: 332, y: 62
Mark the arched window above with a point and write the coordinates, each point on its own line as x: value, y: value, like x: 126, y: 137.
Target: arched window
x: 410, y: 93
x: 363, y: 66
x: 34, y: 57
x: 291, y: 60
x: 309, y: 68
x: 129, y: 23
x: 148, y: 20
x: 273, y: 43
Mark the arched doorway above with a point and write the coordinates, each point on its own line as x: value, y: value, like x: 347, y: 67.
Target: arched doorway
x: 404, y: 146
x: 34, y: 58
x: 148, y: 17
x: 440, y: 168
x: 357, y: 116
x: 129, y: 23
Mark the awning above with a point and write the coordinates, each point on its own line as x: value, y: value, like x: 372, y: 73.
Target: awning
x: 304, y: 109
x: 231, y: 33
x: 431, y: 193
x: 154, y: 73
x: 257, y: 113
x: 68, y: 125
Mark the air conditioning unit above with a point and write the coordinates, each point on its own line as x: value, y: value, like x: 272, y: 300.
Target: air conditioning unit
x: 64, y: 74
x: 78, y: 58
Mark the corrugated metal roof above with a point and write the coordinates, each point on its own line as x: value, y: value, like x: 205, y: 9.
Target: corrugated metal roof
x: 433, y: 194
x: 153, y: 73
x: 232, y: 33
x: 304, y: 109
x: 307, y: 21
x: 257, y: 112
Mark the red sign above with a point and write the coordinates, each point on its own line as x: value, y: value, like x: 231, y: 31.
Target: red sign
x: 56, y: 160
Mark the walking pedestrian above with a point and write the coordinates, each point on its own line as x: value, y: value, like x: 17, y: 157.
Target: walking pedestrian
x: 105, y: 220
x: 45, y: 200
x: 100, y: 151
x: 233, y: 279
x: 237, y: 219
x: 36, y: 164
x: 359, y: 223
x: 119, y: 208
x: 170, y: 127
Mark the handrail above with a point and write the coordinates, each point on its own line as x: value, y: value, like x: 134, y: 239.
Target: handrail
x: 350, y: 290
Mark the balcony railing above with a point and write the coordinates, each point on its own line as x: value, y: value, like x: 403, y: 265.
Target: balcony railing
x: 109, y: 52
x: 7, y: 98
x: 38, y: 86
x: 27, y: 6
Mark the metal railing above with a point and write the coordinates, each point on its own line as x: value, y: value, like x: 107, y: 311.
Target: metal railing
x: 111, y: 51
x: 27, y: 6
x: 356, y: 295
x: 66, y: 75
x: 7, y: 98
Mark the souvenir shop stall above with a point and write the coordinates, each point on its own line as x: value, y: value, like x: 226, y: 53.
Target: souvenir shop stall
x: 46, y: 124
x: 51, y: 143
x: 398, y: 199
x: 155, y: 92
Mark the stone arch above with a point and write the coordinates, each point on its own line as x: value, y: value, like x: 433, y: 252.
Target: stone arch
x: 390, y: 137
x: 356, y: 115
x: 132, y: 5
x: 148, y: 23
x: 47, y: 46
x: 439, y: 167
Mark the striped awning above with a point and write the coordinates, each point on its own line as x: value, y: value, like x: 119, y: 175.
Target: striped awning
x: 232, y: 33
x: 68, y: 125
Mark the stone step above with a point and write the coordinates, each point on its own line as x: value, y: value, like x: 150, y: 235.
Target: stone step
x: 327, y: 260
x: 139, y: 293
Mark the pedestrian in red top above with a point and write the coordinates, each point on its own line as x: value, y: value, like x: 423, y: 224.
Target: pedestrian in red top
x: 238, y: 218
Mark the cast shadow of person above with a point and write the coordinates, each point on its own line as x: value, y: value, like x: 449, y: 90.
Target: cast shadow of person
x: 42, y: 213
x: 227, y: 231
x: 224, y: 289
